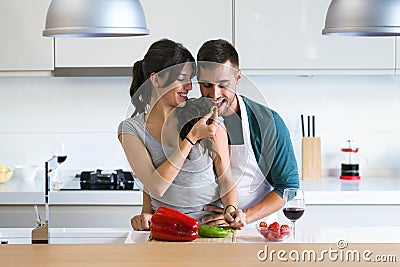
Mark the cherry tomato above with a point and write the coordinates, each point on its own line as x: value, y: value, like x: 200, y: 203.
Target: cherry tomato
x: 264, y: 232
x: 285, y: 230
x: 274, y: 226
x: 263, y: 224
x: 279, y: 237
x: 270, y: 236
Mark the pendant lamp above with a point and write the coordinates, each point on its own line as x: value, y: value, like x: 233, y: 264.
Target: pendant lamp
x: 95, y: 18
x: 363, y: 18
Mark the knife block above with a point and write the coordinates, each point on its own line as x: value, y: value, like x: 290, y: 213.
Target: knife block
x: 311, y: 158
x: 40, y: 235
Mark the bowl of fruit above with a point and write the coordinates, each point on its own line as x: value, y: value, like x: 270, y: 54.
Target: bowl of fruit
x: 5, y: 173
x: 274, y: 232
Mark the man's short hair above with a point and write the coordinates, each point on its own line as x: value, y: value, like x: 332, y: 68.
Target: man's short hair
x: 218, y: 51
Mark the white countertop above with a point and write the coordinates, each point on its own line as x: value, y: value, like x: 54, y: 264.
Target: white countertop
x: 18, y: 192
x: 23, y: 192
x: 307, y: 235
x: 67, y: 235
x: 328, y: 190
x: 367, y: 190
x: 247, y: 235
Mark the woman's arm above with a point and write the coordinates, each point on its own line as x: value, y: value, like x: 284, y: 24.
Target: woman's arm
x: 142, y: 221
x: 157, y: 180
x: 228, y: 192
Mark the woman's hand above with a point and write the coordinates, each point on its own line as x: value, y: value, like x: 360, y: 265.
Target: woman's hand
x: 206, y: 127
x: 141, y: 222
x: 216, y: 219
x: 236, y: 219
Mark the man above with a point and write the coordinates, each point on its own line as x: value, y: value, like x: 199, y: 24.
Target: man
x: 262, y: 158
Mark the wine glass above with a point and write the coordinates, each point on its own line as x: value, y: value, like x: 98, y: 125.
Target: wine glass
x: 59, y: 152
x: 293, y: 205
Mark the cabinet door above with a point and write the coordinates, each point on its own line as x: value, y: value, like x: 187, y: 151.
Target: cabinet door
x: 398, y: 55
x: 188, y: 22
x: 22, y: 45
x: 286, y: 35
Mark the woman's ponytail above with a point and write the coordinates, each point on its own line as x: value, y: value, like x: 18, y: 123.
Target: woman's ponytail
x: 140, y: 97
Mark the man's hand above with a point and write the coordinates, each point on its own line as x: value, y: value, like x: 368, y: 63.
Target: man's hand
x: 236, y: 219
x: 141, y: 222
x: 217, y: 219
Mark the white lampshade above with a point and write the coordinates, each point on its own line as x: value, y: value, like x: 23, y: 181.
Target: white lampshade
x: 363, y: 18
x: 95, y: 18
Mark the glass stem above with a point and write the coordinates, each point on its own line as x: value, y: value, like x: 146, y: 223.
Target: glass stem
x: 294, y: 229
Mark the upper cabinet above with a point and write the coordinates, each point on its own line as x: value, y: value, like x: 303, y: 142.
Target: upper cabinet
x: 285, y: 36
x: 188, y: 22
x: 22, y: 46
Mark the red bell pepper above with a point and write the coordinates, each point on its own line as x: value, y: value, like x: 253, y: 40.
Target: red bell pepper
x: 171, y: 225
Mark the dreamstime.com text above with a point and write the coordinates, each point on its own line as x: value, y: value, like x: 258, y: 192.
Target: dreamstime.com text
x: 339, y: 254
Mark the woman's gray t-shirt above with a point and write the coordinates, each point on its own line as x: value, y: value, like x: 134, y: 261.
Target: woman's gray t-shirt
x: 194, y: 186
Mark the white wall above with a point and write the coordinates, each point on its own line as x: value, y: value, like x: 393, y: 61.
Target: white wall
x: 37, y: 112
x: 365, y: 109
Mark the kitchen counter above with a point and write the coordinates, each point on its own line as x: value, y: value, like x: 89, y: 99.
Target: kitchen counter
x: 68, y: 235
x: 67, y: 208
x: 306, y: 235
x: 328, y: 190
x: 196, y: 254
x: 17, y: 192
x: 247, y: 235
x: 250, y: 249
x: 367, y: 190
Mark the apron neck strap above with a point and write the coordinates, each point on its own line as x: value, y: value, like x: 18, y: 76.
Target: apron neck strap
x: 245, y: 121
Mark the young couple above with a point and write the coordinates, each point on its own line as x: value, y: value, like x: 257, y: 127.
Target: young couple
x: 222, y: 159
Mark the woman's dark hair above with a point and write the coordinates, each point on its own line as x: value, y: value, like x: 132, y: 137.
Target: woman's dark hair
x: 218, y: 51
x: 193, y: 110
x: 161, y: 55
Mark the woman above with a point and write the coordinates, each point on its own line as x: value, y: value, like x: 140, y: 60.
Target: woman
x: 174, y: 171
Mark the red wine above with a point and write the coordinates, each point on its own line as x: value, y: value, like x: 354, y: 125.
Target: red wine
x: 293, y: 213
x: 61, y: 159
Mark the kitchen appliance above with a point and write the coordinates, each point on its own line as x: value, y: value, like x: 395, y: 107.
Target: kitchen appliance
x: 350, y: 169
x: 99, y: 180
x: 89, y: 180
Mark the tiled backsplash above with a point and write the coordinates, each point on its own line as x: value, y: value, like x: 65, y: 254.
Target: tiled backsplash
x: 37, y: 112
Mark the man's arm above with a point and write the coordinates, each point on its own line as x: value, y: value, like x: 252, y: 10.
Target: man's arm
x: 274, y: 152
x: 268, y: 205
x: 283, y: 172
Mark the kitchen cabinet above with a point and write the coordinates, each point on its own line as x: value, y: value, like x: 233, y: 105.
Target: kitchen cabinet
x: 398, y: 55
x: 62, y: 216
x: 187, y: 22
x: 285, y: 36
x: 92, y: 216
x: 22, y: 46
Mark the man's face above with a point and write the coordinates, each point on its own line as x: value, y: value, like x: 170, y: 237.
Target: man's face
x: 218, y: 84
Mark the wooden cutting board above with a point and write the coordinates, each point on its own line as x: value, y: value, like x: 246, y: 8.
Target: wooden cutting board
x: 230, y: 238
